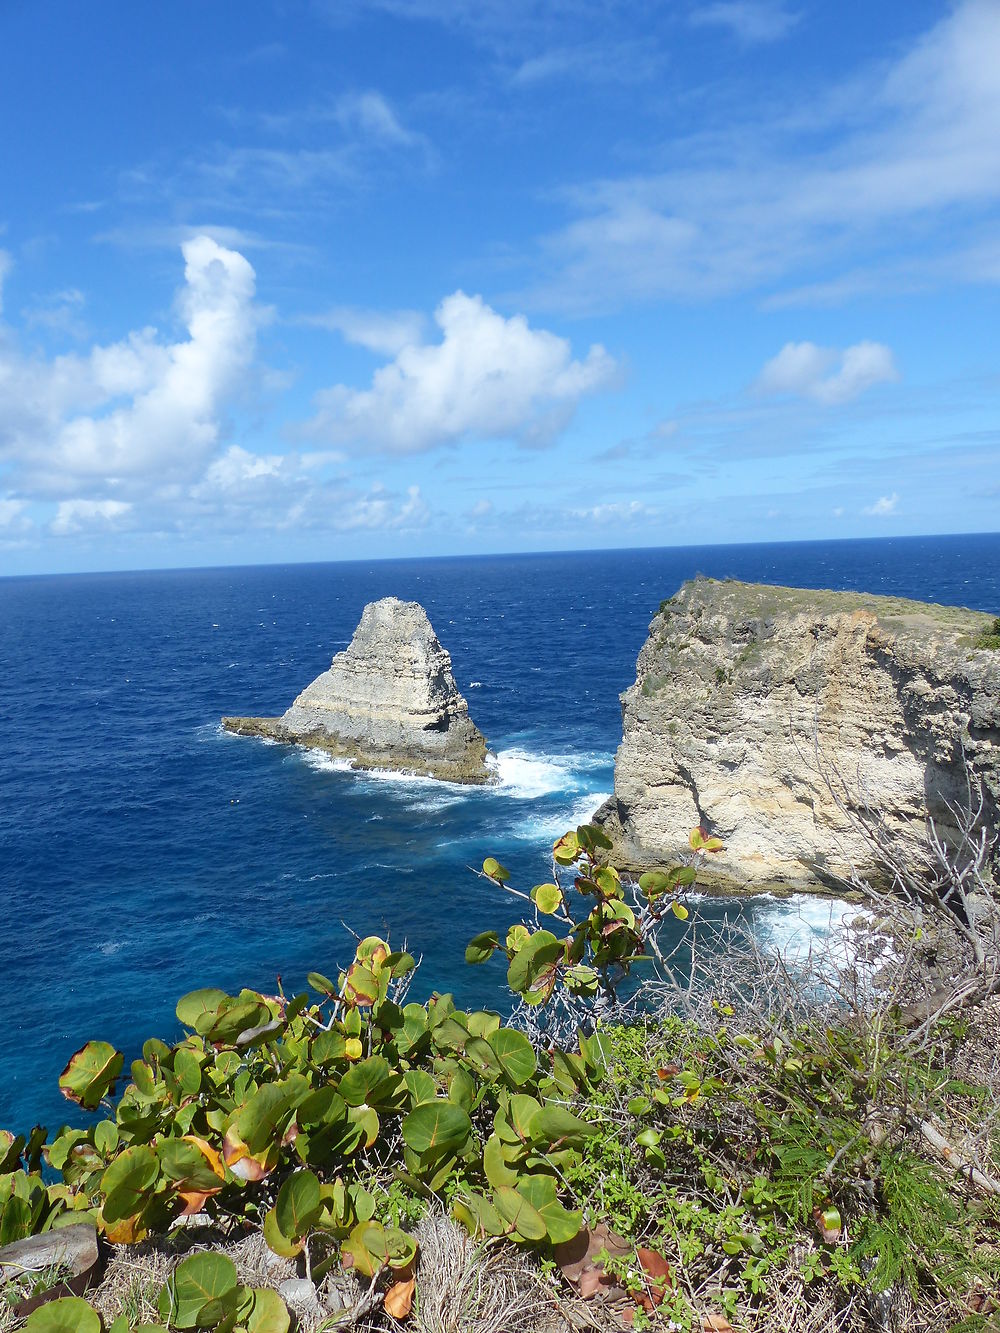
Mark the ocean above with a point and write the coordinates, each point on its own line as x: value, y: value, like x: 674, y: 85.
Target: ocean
x: 143, y: 852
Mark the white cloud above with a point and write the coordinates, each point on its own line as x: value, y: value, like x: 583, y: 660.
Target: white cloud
x: 241, y: 491
x: 76, y: 516
x: 481, y: 509
x: 141, y: 408
x: 751, y: 21
x: 369, y: 114
x: 890, y: 171
x: 885, y: 504
x: 379, y: 509
x: 11, y: 513
x: 59, y: 313
x: 622, y: 62
x: 615, y: 512
x: 384, y: 332
x: 488, y: 378
x: 826, y: 374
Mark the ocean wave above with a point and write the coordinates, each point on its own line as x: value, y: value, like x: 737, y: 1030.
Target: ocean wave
x: 554, y: 823
x: 527, y: 776
x: 321, y: 761
x: 796, y: 926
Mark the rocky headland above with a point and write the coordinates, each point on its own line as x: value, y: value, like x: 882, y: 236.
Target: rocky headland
x: 389, y: 700
x: 753, y: 705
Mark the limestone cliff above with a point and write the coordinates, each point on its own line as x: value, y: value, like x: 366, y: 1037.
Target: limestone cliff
x: 389, y: 700
x: 745, y: 695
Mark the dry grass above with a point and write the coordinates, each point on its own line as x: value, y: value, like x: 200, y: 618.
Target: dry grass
x: 469, y: 1287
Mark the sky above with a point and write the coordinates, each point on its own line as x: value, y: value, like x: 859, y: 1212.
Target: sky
x: 340, y: 279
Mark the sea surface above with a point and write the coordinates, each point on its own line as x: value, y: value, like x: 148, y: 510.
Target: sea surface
x: 144, y: 853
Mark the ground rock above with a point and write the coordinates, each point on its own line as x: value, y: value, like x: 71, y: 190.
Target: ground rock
x: 389, y: 700
x: 748, y: 697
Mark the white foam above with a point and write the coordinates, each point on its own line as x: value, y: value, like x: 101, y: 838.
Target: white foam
x: 555, y: 823
x: 796, y: 926
x: 323, y: 762
x: 527, y: 776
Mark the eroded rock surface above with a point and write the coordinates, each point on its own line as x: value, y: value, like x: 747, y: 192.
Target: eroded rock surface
x: 389, y: 700
x: 747, y: 695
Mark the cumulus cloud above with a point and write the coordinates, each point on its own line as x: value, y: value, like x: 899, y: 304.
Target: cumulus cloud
x: 384, y: 332
x: 140, y: 408
x: 488, y: 378
x: 76, y: 516
x: 751, y: 21
x: 828, y: 375
x: 885, y: 504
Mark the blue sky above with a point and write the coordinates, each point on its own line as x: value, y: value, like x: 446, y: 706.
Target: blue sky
x: 352, y: 278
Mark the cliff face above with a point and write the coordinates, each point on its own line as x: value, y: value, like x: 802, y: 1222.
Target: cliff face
x: 389, y: 700
x: 745, y: 695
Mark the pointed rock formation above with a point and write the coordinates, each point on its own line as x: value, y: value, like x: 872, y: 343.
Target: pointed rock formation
x: 389, y: 700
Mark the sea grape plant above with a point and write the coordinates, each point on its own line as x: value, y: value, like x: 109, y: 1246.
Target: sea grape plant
x: 293, y: 1112
x: 598, y: 946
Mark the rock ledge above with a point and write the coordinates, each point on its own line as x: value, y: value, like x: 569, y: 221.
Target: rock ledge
x: 389, y: 700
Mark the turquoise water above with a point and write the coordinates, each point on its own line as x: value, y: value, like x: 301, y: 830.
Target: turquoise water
x: 143, y: 852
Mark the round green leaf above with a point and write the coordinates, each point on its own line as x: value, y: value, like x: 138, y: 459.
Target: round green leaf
x: 482, y: 947
x: 547, y: 898
x: 515, y: 1053
x: 91, y: 1073
x: 195, y: 1288
x: 437, y: 1124
x: 358, y: 1085
x: 187, y: 1067
x: 298, y: 1204
x: 494, y: 870
x: 537, y: 954
x: 127, y: 1181
x: 269, y: 1313
x: 321, y: 983
x: 69, y: 1314
x: 198, y: 1006
x: 520, y: 1213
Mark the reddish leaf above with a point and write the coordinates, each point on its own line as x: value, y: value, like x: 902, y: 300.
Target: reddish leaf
x: 658, y: 1279
x: 578, y: 1260
x: 668, y: 1071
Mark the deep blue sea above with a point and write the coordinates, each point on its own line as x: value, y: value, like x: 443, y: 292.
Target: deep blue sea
x: 144, y: 853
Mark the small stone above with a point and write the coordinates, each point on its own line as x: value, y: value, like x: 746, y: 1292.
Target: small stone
x: 299, y: 1293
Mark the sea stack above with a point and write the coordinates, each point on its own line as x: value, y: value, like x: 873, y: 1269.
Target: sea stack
x: 753, y: 705
x: 389, y: 700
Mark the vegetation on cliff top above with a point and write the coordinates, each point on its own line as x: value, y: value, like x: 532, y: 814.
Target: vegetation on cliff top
x: 768, y: 601
x: 736, y: 1144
